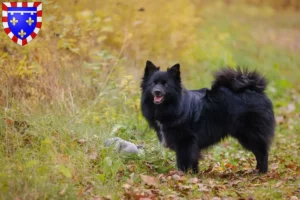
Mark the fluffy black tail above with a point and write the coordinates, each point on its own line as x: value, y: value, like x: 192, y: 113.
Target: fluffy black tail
x: 239, y: 80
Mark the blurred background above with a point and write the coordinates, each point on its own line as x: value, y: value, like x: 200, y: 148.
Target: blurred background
x: 79, y: 78
x: 87, y: 48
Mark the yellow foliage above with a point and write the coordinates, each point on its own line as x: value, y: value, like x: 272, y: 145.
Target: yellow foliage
x: 80, y: 46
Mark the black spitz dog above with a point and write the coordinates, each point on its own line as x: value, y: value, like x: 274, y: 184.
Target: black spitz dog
x: 188, y: 121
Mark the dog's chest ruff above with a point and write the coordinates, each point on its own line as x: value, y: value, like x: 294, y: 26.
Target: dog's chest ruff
x: 161, y: 133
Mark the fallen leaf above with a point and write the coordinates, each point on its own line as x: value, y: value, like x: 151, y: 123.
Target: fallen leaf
x: 290, y: 108
x: 176, y: 177
x: 228, y: 165
x: 274, y: 166
x: 193, y: 180
x: 89, y: 189
x: 279, y: 119
x: 106, y: 198
x: 278, y: 184
x: 172, y: 172
x: 8, y: 121
x: 172, y: 197
x: 155, y: 191
x: 63, y: 191
x: 81, y: 141
x: 202, y: 188
x: 93, y: 155
x: 290, y: 166
x: 162, y: 178
x: 126, y: 186
x: 149, y: 180
x: 185, y: 187
x: 131, y: 167
x: 210, y: 168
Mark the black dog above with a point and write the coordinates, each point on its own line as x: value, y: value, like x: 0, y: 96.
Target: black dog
x: 188, y: 121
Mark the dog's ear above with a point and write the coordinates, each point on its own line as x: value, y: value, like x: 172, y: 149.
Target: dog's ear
x: 175, y: 71
x: 150, y: 68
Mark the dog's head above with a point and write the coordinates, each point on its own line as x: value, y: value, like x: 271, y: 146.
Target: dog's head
x: 161, y: 86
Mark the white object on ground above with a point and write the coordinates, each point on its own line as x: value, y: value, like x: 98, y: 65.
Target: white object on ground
x: 123, y: 146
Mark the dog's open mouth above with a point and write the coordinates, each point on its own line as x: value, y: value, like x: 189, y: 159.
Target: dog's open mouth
x: 158, y: 99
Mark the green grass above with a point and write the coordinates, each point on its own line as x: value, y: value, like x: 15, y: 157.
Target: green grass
x: 47, y: 161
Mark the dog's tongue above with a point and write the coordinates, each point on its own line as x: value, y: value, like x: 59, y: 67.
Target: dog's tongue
x: 157, y: 99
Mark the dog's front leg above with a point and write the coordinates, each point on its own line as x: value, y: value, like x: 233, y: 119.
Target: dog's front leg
x: 187, y: 155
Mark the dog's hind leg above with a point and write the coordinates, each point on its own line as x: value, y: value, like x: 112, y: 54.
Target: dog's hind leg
x: 187, y: 155
x: 255, y: 132
x: 259, y: 147
x: 261, y: 161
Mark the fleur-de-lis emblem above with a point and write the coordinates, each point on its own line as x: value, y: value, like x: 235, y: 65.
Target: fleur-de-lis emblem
x: 29, y: 21
x: 22, y: 33
x: 14, y: 21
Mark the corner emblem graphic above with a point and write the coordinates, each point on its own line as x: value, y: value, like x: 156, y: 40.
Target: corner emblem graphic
x: 22, y: 21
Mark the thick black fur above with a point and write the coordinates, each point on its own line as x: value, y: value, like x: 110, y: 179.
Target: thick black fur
x: 188, y: 121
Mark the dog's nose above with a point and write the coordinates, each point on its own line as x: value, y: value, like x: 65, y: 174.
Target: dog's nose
x: 157, y: 92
